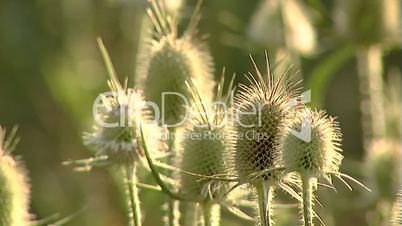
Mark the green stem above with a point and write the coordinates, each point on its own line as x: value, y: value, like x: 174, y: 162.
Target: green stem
x: 265, y: 194
x: 370, y: 70
x: 191, y: 215
x: 156, y: 175
x: 206, y: 213
x: 307, y: 201
x: 211, y: 213
x: 134, y: 204
x: 173, y: 213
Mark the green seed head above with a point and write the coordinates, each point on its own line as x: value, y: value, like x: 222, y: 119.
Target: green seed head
x: 201, y: 148
x: 319, y: 155
x: 14, y: 188
x: 201, y: 152
x: 396, y: 219
x: 168, y: 62
x: 262, y: 114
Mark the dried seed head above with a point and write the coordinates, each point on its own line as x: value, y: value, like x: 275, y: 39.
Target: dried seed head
x: 120, y: 141
x: 383, y: 164
x: 201, y: 147
x: 262, y: 114
x: 319, y: 156
x: 368, y: 22
x: 14, y: 188
x: 168, y: 61
x: 283, y: 23
x: 396, y: 219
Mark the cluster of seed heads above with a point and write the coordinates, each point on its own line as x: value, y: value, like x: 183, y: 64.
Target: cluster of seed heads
x: 208, y: 168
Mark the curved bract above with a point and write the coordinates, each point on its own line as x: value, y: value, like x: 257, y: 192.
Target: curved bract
x: 14, y: 188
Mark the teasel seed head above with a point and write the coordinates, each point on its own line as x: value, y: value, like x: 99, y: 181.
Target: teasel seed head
x: 319, y: 156
x: 122, y: 112
x: 201, y: 146
x: 396, y: 219
x: 169, y: 60
x: 262, y: 114
x: 14, y: 187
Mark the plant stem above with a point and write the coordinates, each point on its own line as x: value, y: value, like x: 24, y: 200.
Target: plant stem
x: 173, y: 213
x: 211, y: 213
x: 265, y: 194
x: 307, y: 201
x: 134, y: 204
x: 370, y: 70
x: 191, y: 215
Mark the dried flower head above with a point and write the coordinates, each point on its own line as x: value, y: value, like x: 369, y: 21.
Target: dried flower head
x: 262, y: 114
x: 321, y: 154
x: 14, y: 187
x: 116, y: 134
x: 169, y: 60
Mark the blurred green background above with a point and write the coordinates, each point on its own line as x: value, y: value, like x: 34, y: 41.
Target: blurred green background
x: 51, y: 71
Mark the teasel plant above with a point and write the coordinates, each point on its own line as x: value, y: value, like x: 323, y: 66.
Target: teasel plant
x: 396, y: 219
x: 202, y: 171
x: 116, y: 135
x: 14, y: 189
x: 264, y: 109
x: 314, y: 155
x: 170, y: 58
x: 374, y: 27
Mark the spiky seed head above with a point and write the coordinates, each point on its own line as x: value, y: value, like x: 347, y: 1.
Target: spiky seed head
x: 14, y: 187
x: 368, y: 22
x: 120, y: 141
x: 319, y: 155
x: 201, y: 151
x: 396, y: 219
x: 168, y: 61
x: 287, y: 24
x: 262, y: 114
x: 201, y: 147
x: 383, y: 164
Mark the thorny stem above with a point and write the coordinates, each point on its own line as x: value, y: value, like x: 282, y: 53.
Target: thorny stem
x: 134, y: 204
x: 307, y: 201
x: 265, y: 194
